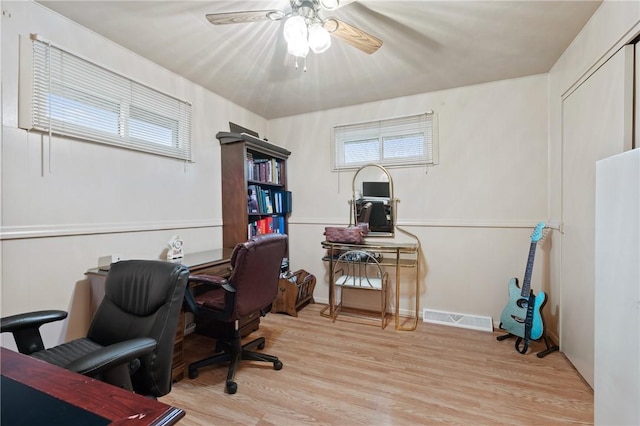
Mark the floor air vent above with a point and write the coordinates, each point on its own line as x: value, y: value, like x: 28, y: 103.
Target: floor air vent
x: 474, y: 322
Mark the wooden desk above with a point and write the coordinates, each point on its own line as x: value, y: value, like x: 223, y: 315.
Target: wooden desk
x: 64, y: 397
x: 394, y: 254
x: 210, y: 262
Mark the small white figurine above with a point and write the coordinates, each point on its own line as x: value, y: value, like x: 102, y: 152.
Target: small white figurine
x: 175, y: 248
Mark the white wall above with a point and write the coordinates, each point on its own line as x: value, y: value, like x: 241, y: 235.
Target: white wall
x: 473, y: 213
x: 67, y: 202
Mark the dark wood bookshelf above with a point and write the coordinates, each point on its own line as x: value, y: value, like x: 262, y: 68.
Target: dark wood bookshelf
x: 236, y: 148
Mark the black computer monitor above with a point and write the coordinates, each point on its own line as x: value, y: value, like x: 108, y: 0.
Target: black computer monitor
x: 375, y: 189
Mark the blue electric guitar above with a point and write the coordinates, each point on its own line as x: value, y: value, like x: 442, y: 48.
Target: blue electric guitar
x: 522, y: 316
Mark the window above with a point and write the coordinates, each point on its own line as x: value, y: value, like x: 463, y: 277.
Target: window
x: 393, y: 142
x: 66, y: 95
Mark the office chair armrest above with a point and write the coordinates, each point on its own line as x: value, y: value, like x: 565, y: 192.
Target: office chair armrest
x: 27, y: 320
x: 208, y: 280
x: 26, y: 328
x: 212, y: 280
x: 108, y: 357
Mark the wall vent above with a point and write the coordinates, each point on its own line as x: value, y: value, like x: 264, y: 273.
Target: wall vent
x: 474, y: 322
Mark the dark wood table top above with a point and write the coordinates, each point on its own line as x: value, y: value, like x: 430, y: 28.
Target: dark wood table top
x: 116, y: 405
x: 203, y: 259
x: 194, y: 261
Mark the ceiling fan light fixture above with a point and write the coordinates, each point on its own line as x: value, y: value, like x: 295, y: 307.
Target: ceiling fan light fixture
x: 319, y: 38
x: 330, y: 4
x: 295, y: 29
x: 298, y: 48
x: 304, y: 27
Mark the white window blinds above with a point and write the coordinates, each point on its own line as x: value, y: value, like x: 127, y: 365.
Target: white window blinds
x: 398, y: 141
x: 66, y: 95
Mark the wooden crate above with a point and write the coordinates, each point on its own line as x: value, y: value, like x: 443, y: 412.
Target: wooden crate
x: 294, y: 292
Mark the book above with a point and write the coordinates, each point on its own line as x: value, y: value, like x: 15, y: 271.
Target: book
x: 252, y: 199
x: 260, y: 169
x: 273, y: 171
x: 268, y: 202
x: 277, y: 201
x: 249, y: 165
x: 287, y: 202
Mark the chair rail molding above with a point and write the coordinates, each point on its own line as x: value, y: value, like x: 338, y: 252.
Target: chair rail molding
x: 439, y: 223
x: 44, y: 231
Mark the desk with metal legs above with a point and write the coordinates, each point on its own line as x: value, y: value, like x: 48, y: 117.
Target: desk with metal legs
x: 394, y: 254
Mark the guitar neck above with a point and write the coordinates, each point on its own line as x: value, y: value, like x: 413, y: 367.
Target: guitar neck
x: 526, y: 285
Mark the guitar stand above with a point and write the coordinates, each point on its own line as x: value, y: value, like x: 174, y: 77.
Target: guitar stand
x: 523, y: 349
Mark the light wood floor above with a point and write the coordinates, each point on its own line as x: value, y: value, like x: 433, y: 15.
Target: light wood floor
x: 345, y: 373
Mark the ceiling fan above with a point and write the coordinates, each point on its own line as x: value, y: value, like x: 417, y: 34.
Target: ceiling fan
x: 304, y: 28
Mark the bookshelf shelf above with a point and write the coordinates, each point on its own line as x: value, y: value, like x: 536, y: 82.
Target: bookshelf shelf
x: 257, y: 182
x: 254, y: 187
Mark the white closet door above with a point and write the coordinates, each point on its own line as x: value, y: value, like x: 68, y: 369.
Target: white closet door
x: 617, y: 291
x: 596, y: 124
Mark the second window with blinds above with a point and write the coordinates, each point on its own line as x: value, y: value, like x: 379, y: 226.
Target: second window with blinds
x: 410, y: 140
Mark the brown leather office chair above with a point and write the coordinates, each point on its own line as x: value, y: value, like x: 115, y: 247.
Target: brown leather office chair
x: 131, y: 337
x: 248, y: 292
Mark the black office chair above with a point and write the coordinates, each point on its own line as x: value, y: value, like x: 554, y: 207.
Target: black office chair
x: 247, y: 293
x: 378, y: 221
x: 131, y: 337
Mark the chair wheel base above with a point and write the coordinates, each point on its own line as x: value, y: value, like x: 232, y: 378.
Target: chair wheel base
x: 193, y: 373
x: 232, y: 387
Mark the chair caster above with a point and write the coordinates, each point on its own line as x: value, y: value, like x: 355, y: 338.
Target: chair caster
x: 277, y: 365
x: 232, y: 387
x: 193, y: 373
x: 220, y: 346
x: 261, y: 346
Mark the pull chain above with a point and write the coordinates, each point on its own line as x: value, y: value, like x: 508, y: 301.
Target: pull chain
x: 305, y: 64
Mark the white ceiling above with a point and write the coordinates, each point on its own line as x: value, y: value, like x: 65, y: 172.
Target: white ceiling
x: 428, y: 46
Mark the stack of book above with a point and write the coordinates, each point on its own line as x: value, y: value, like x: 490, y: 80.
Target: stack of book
x: 267, y: 225
x: 268, y: 201
x: 268, y: 170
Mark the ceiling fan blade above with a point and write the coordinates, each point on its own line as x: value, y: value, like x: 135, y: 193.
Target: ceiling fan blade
x: 244, y: 17
x: 353, y: 36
